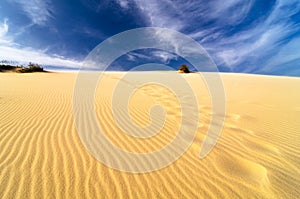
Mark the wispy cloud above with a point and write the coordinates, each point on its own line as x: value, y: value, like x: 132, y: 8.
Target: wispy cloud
x: 4, y: 38
x: 240, y: 35
x: 183, y: 14
x: 256, y: 44
x: 25, y: 55
x: 210, y: 23
x: 39, y: 11
x: 152, y: 55
x: 3, y: 28
x: 188, y: 16
x: 16, y: 52
x: 252, y: 45
x: 160, y: 13
x: 287, y: 58
x: 133, y: 56
x: 124, y: 3
x: 165, y: 57
x: 234, y: 10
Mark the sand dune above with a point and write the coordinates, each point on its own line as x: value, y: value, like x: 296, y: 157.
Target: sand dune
x: 257, y: 155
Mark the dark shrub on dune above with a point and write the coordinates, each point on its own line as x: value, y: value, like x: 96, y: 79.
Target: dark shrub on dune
x: 6, y: 67
x: 183, y: 69
x: 10, y: 66
x: 32, y: 68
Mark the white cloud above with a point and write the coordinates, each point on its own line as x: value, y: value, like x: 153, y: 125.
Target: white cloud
x: 289, y: 53
x: 160, y: 13
x: 25, y: 55
x: 283, y: 10
x: 158, y: 54
x: 39, y: 11
x: 165, y: 57
x: 134, y: 56
x: 257, y: 42
x: 3, y: 28
x: 234, y: 10
x: 4, y: 38
x: 131, y: 57
x: 124, y: 3
x: 180, y: 14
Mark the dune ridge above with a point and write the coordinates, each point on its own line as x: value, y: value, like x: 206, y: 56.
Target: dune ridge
x: 257, y: 155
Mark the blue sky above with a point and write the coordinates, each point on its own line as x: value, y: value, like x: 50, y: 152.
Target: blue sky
x: 246, y: 36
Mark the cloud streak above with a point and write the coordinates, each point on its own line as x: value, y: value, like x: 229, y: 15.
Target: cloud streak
x: 39, y: 11
x: 219, y: 27
x: 287, y: 58
x: 240, y: 35
x: 15, y: 52
x: 181, y: 14
x: 124, y: 3
x: 25, y: 55
x: 159, y: 13
x: 4, y: 28
x: 255, y: 45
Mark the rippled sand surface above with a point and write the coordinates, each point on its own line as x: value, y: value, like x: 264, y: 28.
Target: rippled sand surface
x: 257, y: 155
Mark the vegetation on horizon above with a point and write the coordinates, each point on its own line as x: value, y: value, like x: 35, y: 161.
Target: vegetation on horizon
x: 184, y: 69
x: 13, y: 66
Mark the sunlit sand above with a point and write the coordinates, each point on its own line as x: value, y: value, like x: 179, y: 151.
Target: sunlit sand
x: 257, y: 155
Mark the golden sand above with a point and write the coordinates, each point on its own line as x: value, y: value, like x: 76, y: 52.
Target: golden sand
x: 257, y: 155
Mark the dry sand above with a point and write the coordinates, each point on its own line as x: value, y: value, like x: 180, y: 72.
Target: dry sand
x: 257, y: 155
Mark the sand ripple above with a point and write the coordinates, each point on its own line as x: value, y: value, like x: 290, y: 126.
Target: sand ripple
x: 257, y: 156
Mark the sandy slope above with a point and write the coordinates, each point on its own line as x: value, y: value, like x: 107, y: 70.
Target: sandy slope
x: 257, y: 155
